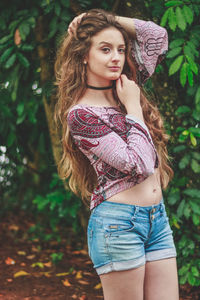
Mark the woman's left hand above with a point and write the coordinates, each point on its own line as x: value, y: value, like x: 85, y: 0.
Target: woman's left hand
x: 73, y: 25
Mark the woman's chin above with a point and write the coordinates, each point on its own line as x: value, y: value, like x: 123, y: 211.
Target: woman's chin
x: 115, y: 76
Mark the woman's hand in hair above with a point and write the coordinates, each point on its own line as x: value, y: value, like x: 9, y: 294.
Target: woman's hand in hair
x: 73, y: 25
x: 129, y: 94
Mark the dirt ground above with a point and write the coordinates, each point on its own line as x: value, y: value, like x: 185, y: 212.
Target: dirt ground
x: 27, y: 271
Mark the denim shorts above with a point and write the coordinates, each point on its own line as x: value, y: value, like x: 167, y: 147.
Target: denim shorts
x: 123, y: 236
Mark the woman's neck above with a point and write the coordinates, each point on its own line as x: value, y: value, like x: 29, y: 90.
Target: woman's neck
x: 98, y: 97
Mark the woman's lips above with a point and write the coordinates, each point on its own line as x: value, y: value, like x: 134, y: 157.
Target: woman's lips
x: 114, y: 68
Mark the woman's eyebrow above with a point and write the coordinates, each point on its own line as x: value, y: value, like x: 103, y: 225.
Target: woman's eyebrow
x: 107, y: 43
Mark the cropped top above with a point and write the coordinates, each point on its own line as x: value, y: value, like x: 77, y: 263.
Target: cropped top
x: 119, y: 146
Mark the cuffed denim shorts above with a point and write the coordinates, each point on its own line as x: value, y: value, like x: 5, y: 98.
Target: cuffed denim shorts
x: 122, y: 236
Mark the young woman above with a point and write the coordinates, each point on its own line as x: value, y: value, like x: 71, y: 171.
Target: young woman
x: 114, y: 151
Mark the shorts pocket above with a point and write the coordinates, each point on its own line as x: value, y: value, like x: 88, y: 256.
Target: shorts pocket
x: 118, y: 226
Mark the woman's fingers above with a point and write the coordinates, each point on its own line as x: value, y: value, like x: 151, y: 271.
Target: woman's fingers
x: 73, y: 25
x: 127, y: 90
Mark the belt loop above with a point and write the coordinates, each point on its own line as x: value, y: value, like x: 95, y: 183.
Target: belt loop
x: 136, y: 209
x: 162, y: 206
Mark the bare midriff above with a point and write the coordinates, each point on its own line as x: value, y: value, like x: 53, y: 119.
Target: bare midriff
x: 146, y: 193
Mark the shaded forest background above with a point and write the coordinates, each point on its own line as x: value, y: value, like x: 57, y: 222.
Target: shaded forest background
x: 30, y: 147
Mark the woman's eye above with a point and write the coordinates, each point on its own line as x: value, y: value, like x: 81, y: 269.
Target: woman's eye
x: 122, y: 50
x: 106, y: 50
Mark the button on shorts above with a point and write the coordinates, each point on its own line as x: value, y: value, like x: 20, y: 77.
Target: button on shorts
x: 122, y: 236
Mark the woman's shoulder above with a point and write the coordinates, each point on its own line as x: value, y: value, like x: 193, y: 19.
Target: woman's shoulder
x: 89, y: 114
x: 92, y: 108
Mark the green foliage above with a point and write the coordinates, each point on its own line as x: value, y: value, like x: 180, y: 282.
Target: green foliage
x: 183, y: 195
x: 57, y: 206
x: 56, y: 257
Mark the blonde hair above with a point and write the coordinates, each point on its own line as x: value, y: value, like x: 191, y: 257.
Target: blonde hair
x: 71, y: 81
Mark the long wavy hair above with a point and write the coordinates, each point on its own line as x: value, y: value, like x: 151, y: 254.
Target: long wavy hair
x: 71, y: 78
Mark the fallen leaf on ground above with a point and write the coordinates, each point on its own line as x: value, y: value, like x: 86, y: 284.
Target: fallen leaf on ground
x: 83, y: 282
x: 38, y: 264
x: 9, y: 261
x: 46, y: 274
x: 74, y: 296
x: 62, y: 274
x: 98, y: 286
x: 48, y: 264
x: 80, y: 252
x: 13, y: 227
x: 66, y: 282
x: 9, y: 279
x: 30, y: 256
x: 23, y: 264
x: 88, y: 273
x: 79, y: 275
x: 21, y: 252
x: 20, y: 273
x: 88, y: 262
x: 34, y: 249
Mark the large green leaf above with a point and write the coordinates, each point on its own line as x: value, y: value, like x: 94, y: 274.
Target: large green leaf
x: 10, y: 62
x: 195, y: 166
x: 183, y: 109
x: 188, y: 14
x: 184, y: 162
x: 23, y: 60
x: 190, y: 76
x: 4, y: 39
x: 175, y: 66
x: 176, y: 43
x: 193, y: 65
x: 183, y: 74
x: 173, y: 3
x: 174, y: 52
x: 6, y: 54
x: 194, y: 193
x: 24, y: 29
x: 180, y: 19
x: 164, y: 18
x: 172, y: 19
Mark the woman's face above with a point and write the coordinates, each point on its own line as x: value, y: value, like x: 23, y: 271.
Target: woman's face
x: 106, y: 57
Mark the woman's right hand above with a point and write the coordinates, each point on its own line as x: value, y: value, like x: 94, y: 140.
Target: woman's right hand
x: 129, y: 94
x: 127, y: 91
x: 73, y: 25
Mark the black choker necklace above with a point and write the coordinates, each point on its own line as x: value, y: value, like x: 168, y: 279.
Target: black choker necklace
x: 100, y: 88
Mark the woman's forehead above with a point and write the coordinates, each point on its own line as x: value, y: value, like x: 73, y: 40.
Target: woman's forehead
x: 109, y: 35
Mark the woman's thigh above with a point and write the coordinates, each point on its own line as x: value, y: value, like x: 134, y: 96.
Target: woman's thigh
x: 120, y: 285
x: 161, y: 280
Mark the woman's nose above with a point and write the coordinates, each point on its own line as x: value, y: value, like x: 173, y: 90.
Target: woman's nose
x: 115, y: 56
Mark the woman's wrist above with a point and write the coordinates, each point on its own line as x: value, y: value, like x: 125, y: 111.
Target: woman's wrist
x: 127, y: 24
x: 135, y: 111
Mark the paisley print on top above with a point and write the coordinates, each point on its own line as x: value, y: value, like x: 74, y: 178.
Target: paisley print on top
x: 119, y: 148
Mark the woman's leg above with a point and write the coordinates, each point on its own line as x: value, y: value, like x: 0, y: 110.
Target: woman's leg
x: 161, y: 280
x: 122, y: 285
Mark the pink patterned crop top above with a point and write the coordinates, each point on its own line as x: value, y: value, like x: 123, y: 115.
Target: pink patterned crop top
x: 119, y: 146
